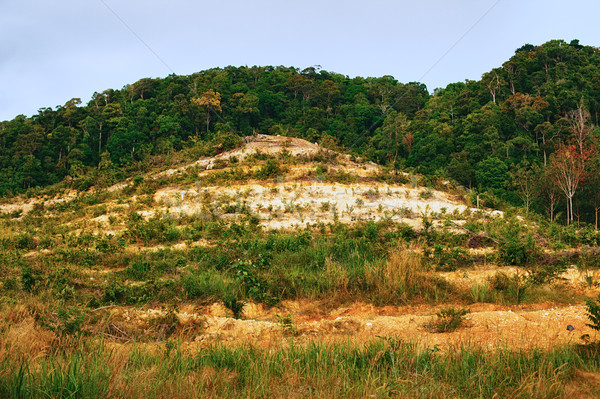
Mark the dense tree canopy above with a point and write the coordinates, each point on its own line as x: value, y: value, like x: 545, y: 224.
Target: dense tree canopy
x: 480, y: 133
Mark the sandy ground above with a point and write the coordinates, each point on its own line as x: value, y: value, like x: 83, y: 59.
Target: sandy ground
x: 290, y: 205
x: 488, y: 326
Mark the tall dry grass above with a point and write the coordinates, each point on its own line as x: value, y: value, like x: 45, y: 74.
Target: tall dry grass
x: 403, y: 276
x: 380, y: 368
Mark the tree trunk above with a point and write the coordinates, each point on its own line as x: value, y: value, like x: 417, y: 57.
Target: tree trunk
x: 545, y: 158
x: 571, y: 205
x: 100, y: 140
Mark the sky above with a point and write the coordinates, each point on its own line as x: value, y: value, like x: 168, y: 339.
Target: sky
x: 51, y: 52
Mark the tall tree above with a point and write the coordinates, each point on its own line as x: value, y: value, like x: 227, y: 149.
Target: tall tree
x: 567, y: 170
x: 580, y: 127
x: 525, y: 181
x: 211, y: 100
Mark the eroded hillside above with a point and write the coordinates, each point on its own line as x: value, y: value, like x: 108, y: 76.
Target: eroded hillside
x: 282, y: 242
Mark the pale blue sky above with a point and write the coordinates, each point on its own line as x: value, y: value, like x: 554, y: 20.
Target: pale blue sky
x: 51, y: 52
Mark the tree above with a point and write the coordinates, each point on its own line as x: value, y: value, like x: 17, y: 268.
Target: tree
x: 382, y: 89
x: 389, y: 138
x: 524, y: 180
x: 491, y: 174
x: 493, y: 81
x: 579, y: 127
x: 567, y: 169
x: 545, y: 133
x: 592, y: 186
x: 211, y: 100
x: 550, y: 191
x: 527, y: 109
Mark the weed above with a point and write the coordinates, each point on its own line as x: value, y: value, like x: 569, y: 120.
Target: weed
x: 287, y: 324
x: 515, y: 247
x: 426, y: 194
x: 233, y: 303
x: 448, y: 320
x: 402, y: 277
x: 480, y: 293
x: 513, y: 288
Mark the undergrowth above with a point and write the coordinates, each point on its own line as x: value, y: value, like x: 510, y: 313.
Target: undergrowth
x: 383, y: 368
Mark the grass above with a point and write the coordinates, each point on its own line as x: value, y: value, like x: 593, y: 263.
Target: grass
x: 381, y: 368
x: 57, y: 267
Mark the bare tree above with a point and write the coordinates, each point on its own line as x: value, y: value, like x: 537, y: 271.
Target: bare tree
x: 566, y: 171
x: 580, y: 127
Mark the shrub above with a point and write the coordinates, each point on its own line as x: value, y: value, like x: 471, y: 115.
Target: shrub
x: 516, y: 248
x: 24, y: 241
x: 593, y: 313
x: 426, y: 194
x: 114, y: 293
x: 513, y: 288
x: 64, y: 321
x: 286, y: 323
x: 236, y: 306
x: 401, y: 277
x: 448, y: 319
x: 448, y: 259
x: 29, y: 278
x: 271, y: 168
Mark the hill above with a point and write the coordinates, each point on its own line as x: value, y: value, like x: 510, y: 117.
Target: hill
x: 172, y: 248
x: 489, y: 135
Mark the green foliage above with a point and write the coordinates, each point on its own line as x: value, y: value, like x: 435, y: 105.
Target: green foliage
x: 114, y: 293
x: 514, y: 288
x: 477, y: 132
x: 270, y: 169
x: 286, y: 323
x: 516, y: 247
x: 29, y: 278
x: 159, y: 228
x: 448, y: 319
x: 380, y: 368
x: 449, y: 259
x: 233, y: 303
x: 593, y: 313
x: 64, y: 321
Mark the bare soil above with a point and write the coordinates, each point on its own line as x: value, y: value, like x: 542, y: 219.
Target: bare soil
x: 488, y: 326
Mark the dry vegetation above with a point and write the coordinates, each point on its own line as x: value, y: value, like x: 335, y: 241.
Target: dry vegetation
x: 334, y: 270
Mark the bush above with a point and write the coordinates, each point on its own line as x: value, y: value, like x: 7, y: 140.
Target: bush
x: 593, y: 313
x: 64, y: 321
x: 236, y: 306
x: 516, y: 248
x: 448, y: 319
x: 449, y: 259
x: 270, y: 169
x: 29, y: 278
x: 513, y: 288
x: 114, y: 293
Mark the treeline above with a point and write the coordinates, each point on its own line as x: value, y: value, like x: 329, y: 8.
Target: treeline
x: 159, y: 116
x: 502, y: 135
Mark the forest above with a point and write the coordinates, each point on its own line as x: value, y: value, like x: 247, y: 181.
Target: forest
x: 525, y: 134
